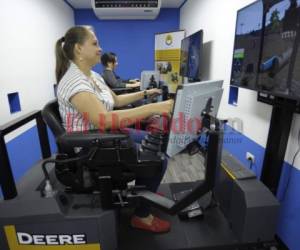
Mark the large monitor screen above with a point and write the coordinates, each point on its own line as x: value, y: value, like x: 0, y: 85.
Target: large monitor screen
x: 190, y: 59
x: 280, y: 65
x: 184, y: 57
x: 247, y: 46
x: 266, y: 56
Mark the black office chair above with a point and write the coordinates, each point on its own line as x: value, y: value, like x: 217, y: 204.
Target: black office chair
x: 93, y: 161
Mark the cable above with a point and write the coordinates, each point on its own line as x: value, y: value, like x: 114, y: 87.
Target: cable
x: 293, y: 162
x: 46, y: 174
x: 65, y: 161
x: 298, y: 151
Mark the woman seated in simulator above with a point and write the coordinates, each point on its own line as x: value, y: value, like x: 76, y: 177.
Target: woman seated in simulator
x: 84, y: 94
x: 110, y: 62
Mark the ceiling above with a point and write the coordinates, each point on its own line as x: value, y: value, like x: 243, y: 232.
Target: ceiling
x: 86, y: 4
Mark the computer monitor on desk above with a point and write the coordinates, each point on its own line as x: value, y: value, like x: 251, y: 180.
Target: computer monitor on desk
x: 147, y: 77
x: 190, y: 101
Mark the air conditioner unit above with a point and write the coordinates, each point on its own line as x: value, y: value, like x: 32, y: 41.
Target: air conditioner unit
x: 126, y: 9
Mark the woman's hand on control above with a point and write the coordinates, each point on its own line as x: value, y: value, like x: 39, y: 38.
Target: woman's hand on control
x: 153, y: 92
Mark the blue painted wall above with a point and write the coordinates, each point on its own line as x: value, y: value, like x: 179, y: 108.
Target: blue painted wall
x: 288, y: 191
x: 238, y: 144
x: 131, y: 40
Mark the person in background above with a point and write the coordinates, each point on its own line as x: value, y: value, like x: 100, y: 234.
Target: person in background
x: 83, y: 93
x: 110, y: 62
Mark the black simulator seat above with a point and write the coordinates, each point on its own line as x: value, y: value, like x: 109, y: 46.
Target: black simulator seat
x: 93, y: 161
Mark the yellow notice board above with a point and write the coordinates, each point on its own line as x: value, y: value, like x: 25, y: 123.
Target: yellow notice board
x: 167, y: 57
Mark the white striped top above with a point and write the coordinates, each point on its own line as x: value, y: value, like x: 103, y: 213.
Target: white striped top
x: 73, y: 82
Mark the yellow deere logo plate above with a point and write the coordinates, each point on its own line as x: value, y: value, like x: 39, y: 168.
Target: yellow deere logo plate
x: 26, y: 241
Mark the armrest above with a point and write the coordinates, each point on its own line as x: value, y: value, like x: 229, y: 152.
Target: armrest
x: 88, y: 139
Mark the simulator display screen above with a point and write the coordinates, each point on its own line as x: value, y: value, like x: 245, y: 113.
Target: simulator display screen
x: 280, y: 64
x: 190, y: 62
x: 195, y: 50
x: 184, y: 56
x: 266, y: 56
x: 247, y: 46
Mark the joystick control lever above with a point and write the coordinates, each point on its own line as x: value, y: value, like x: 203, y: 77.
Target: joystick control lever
x: 153, y: 140
x: 150, y: 147
x: 156, y: 136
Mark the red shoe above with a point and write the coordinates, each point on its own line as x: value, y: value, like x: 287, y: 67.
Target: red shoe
x: 157, y: 226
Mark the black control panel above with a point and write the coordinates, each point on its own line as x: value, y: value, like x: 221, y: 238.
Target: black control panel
x: 126, y: 4
x: 154, y: 142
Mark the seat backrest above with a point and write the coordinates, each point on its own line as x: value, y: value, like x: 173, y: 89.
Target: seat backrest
x: 52, y: 118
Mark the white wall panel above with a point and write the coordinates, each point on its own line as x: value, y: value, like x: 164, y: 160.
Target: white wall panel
x: 29, y: 30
